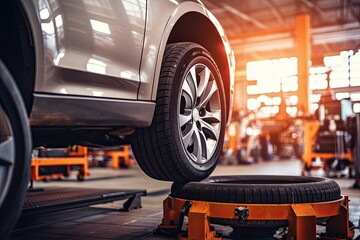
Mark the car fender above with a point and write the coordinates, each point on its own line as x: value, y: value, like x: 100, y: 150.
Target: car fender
x: 156, y: 41
x: 33, y: 18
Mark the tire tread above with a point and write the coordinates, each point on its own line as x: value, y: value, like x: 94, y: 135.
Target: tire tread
x: 296, y: 190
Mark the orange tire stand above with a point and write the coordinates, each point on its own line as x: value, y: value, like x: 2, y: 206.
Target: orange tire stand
x: 300, y: 216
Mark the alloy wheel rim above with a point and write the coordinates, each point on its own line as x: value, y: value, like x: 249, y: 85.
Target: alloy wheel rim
x: 7, y: 154
x: 199, y: 117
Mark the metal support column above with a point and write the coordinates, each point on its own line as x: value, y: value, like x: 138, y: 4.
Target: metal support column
x: 303, y: 53
x: 302, y: 222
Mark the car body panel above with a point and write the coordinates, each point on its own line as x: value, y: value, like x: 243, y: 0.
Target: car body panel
x: 156, y: 20
x: 94, y: 112
x: 106, y: 50
x: 91, y: 48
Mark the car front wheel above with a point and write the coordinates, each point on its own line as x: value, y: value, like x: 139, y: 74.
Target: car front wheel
x: 186, y: 136
x: 15, y: 152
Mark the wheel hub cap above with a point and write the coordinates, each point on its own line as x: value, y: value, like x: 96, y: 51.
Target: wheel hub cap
x: 196, y: 115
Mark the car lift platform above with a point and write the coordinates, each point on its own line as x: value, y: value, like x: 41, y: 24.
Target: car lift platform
x: 40, y: 201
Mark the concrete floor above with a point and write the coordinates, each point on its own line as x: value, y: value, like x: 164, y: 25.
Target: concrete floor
x: 106, y: 222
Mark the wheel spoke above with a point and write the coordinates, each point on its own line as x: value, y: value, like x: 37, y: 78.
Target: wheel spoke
x: 7, y: 152
x: 193, y: 78
x: 205, y: 148
x: 210, y: 130
x: 204, y: 80
x: 188, y: 91
x: 185, y: 118
x: 212, y: 117
x: 187, y: 138
x: 208, y: 93
x: 197, y: 147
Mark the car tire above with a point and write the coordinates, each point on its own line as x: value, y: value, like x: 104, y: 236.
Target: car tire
x: 186, y: 135
x: 254, y: 189
x: 15, y: 152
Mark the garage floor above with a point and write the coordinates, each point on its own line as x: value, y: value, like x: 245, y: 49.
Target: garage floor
x: 107, y: 222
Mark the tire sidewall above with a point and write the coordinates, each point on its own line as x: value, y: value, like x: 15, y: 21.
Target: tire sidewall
x: 194, y: 55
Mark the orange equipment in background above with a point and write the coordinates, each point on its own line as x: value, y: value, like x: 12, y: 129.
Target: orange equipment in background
x: 311, y: 130
x: 120, y: 158
x: 231, y: 143
x: 241, y: 145
x: 328, y: 140
x: 46, y: 166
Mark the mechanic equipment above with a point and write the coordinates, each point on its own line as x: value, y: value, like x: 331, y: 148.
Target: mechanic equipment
x: 232, y: 144
x: 242, y: 144
x: 356, y: 132
x: 327, y: 140
x: 301, y: 217
x: 273, y: 128
x: 58, y: 163
x: 291, y: 140
x: 116, y: 157
x: 121, y: 158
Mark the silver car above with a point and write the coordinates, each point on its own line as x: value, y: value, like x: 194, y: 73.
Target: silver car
x: 154, y: 73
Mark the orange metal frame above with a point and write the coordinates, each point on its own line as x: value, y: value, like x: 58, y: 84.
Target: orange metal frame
x: 77, y: 158
x: 233, y: 142
x: 310, y: 130
x: 116, y: 155
x: 301, y: 217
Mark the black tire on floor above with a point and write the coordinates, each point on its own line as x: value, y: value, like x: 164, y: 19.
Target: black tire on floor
x: 15, y: 152
x: 160, y: 149
x: 259, y: 189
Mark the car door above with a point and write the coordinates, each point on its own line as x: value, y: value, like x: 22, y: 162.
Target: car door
x: 91, y: 47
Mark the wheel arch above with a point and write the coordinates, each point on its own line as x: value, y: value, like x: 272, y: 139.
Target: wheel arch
x: 195, y: 27
x: 17, y: 50
x: 200, y: 26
